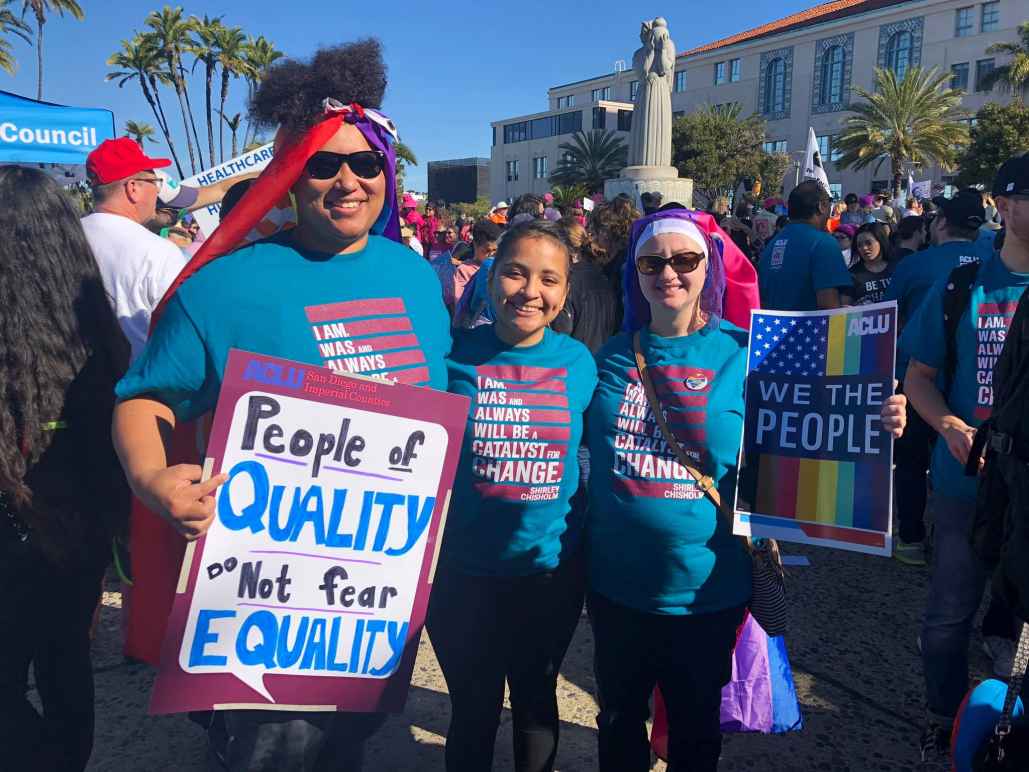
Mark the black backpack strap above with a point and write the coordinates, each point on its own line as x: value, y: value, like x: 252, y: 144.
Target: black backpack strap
x: 956, y: 296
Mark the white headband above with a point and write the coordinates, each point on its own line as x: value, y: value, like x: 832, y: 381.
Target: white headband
x: 671, y: 225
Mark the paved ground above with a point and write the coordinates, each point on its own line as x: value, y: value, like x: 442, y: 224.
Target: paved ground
x: 852, y: 645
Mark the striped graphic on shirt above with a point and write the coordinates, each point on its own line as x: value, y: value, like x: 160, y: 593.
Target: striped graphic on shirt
x: 369, y: 337
x: 644, y: 463
x: 520, y: 431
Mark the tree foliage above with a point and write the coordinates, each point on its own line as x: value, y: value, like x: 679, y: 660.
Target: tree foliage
x: 716, y: 147
x: 141, y: 132
x: 1014, y: 75
x: 10, y: 23
x: 590, y: 159
x: 39, y: 9
x: 911, y: 122
x: 1001, y: 131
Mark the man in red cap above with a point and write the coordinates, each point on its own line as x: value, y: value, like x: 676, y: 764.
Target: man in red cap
x: 137, y: 266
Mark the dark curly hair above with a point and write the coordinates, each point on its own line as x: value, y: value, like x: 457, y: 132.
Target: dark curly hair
x: 291, y: 93
x: 615, y: 217
x: 61, y: 353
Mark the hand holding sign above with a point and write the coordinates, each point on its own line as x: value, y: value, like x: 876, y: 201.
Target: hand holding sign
x: 178, y: 494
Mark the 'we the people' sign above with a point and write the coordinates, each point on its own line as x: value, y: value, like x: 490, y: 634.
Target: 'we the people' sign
x: 311, y: 586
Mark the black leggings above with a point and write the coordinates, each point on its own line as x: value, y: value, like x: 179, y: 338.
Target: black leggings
x: 45, y: 618
x: 689, y: 657
x: 486, y: 630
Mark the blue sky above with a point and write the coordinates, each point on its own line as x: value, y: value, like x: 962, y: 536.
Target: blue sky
x: 453, y: 67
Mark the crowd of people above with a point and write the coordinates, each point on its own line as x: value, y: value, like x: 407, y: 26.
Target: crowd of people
x: 104, y: 323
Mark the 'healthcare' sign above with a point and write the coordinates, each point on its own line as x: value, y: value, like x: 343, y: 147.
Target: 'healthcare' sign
x: 40, y: 132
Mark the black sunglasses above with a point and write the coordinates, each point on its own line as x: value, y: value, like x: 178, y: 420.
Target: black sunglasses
x: 684, y: 262
x: 366, y: 164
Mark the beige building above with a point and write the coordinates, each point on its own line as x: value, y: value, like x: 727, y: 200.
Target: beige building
x: 796, y: 72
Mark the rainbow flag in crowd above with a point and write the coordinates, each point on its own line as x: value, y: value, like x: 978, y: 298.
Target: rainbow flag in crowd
x: 815, y: 466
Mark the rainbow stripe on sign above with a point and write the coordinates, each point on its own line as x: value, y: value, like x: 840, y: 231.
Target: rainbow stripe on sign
x: 835, y: 495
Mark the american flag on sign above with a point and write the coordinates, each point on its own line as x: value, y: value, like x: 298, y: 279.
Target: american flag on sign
x: 787, y: 345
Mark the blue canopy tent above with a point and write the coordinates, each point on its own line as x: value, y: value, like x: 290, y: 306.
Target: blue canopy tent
x: 44, y: 133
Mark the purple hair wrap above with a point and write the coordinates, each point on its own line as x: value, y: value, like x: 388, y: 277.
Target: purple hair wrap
x: 637, y: 309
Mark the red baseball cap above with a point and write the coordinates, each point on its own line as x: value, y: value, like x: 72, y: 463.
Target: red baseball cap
x: 116, y: 159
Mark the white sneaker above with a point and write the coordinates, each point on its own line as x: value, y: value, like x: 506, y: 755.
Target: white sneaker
x: 1002, y: 652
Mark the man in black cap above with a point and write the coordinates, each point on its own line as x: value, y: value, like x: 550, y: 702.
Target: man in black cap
x: 989, y: 295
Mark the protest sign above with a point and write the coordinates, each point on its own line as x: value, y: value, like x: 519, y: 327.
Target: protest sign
x: 208, y: 217
x: 311, y: 586
x: 815, y: 463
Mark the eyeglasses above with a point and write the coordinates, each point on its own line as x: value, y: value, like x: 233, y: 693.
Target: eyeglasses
x: 156, y: 181
x: 684, y: 262
x: 366, y: 164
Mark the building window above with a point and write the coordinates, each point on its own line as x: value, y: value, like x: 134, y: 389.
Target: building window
x: 734, y: 70
x: 898, y: 53
x: 599, y: 118
x: 959, y: 76
x: 832, y: 76
x: 625, y: 120
x: 539, y: 168
x: 963, y: 24
x: 983, y: 67
x: 676, y: 114
x: 680, y: 80
x: 634, y: 89
x: 836, y: 190
x: 600, y: 93
x: 494, y: 136
x: 990, y: 18
x: 566, y: 157
x: 774, y: 146
x: 564, y: 102
x: 569, y: 123
x: 720, y: 73
x: 824, y: 143
x: 516, y: 132
x: 512, y: 171
x: 725, y: 107
x: 775, y: 87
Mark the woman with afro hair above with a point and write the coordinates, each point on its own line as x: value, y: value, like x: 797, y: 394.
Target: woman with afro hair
x: 278, y: 297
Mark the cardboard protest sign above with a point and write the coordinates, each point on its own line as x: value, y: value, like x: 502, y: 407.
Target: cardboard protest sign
x: 815, y: 463
x: 311, y: 586
x: 208, y: 217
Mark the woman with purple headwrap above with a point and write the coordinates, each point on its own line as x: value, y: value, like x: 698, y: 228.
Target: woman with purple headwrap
x: 668, y: 582
x: 327, y: 292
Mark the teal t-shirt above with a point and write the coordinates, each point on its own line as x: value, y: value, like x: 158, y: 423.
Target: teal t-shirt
x: 980, y: 338
x: 371, y: 312
x: 656, y: 542
x: 919, y: 271
x: 798, y: 262
x: 511, y: 514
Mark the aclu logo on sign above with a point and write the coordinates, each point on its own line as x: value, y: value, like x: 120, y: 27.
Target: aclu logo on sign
x: 273, y: 374
x: 869, y: 325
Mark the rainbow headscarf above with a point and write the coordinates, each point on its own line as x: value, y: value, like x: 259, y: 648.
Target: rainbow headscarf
x: 292, y: 152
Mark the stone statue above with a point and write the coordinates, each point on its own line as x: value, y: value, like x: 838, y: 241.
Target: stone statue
x: 650, y: 140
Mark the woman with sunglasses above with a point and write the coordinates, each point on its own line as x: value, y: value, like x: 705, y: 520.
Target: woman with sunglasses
x: 508, y: 594
x: 668, y: 583
x: 335, y: 285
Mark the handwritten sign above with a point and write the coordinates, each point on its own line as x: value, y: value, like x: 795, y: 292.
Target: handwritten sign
x: 816, y: 464
x: 311, y: 586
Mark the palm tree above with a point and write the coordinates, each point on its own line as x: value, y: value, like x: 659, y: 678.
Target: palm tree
x: 39, y: 9
x: 259, y: 55
x: 139, y: 61
x: 231, y: 42
x: 10, y: 23
x: 141, y: 132
x: 568, y: 195
x: 590, y: 159
x: 233, y: 124
x: 910, y: 122
x: 204, y: 46
x: 171, y: 35
x: 1014, y: 74
x: 404, y: 156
